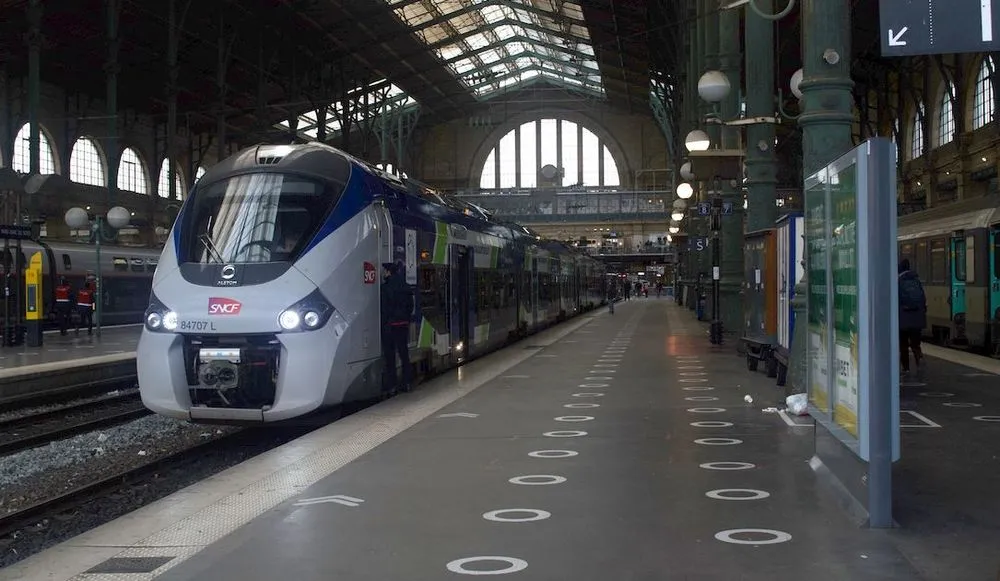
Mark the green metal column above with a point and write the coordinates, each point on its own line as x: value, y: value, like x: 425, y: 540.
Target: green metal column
x: 691, y: 265
x: 111, y: 71
x: 825, y: 121
x: 762, y: 167
x: 760, y: 159
x: 730, y: 64
x: 710, y: 61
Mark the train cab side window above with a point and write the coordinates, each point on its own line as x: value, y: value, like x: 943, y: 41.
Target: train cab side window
x: 939, y: 262
x: 958, y: 246
x: 970, y: 260
x: 67, y: 263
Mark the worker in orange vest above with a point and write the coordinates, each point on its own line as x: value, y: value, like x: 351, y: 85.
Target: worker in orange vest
x: 63, y: 305
x: 85, y: 307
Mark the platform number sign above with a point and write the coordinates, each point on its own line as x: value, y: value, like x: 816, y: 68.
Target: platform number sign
x: 370, y: 273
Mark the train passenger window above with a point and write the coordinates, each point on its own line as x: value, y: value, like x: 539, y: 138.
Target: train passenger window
x: 939, y: 262
x: 919, y: 262
x: 67, y: 263
x: 959, y: 254
x: 970, y: 259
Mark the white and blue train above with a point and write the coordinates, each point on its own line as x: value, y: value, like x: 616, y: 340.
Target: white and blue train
x: 265, y: 302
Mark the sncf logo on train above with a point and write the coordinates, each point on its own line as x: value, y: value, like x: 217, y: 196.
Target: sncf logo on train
x: 222, y: 306
x: 370, y: 273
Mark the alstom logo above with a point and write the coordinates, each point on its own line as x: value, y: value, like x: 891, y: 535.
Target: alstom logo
x: 222, y: 306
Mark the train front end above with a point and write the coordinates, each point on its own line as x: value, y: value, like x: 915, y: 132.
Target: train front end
x: 250, y: 318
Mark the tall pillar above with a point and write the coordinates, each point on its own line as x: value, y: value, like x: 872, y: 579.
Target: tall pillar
x: 825, y: 121
x: 730, y: 64
x: 709, y: 17
x: 172, y: 74
x: 111, y: 69
x: 762, y: 166
x: 34, y: 40
x: 760, y: 159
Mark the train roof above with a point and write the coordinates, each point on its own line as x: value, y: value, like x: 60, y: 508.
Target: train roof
x: 980, y: 212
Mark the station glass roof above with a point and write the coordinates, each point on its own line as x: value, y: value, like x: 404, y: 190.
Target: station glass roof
x: 380, y: 93
x: 491, y: 45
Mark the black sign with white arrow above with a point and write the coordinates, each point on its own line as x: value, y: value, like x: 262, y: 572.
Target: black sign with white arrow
x: 918, y: 27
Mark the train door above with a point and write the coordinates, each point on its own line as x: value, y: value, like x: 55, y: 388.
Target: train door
x: 958, y: 277
x: 994, y: 281
x: 461, y: 292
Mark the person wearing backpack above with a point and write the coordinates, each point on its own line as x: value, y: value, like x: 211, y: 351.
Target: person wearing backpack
x: 912, y: 315
x: 397, y: 310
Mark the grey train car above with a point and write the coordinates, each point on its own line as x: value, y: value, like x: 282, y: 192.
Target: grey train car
x: 265, y: 305
x: 126, y: 272
x: 954, y: 249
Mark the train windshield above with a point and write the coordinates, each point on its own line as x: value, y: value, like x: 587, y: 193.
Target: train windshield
x: 255, y: 218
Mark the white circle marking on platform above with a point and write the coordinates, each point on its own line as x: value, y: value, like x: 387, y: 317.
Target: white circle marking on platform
x: 494, y: 515
x: 711, y: 424
x: 702, y: 398
x: 582, y: 406
x: 605, y: 365
x: 751, y: 494
x: 718, y: 441
x: 594, y: 385
x: 698, y: 388
x: 987, y: 418
x: 692, y: 380
x: 543, y: 479
x: 958, y: 404
x: 776, y: 536
x: 565, y: 434
x: 706, y: 410
x: 553, y: 453
x: 727, y: 466
x: 574, y: 418
x: 589, y: 394
x: 597, y: 378
x: 691, y: 367
x: 513, y: 565
x: 936, y: 394
x: 693, y: 373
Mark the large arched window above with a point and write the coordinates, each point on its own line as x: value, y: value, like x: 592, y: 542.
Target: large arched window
x: 982, y: 106
x: 132, y: 176
x: 518, y: 159
x: 163, y: 185
x: 917, y: 132
x: 22, y: 152
x: 85, y: 163
x: 946, y: 116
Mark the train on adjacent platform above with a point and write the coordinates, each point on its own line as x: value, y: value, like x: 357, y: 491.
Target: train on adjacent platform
x: 126, y: 273
x: 956, y: 251
x: 265, y: 304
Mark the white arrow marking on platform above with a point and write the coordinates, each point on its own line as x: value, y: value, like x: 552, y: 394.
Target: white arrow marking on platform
x: 337, y: 499
x: 895, y: 38
x: 459, y: 415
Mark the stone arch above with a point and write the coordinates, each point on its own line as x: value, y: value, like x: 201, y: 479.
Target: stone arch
x: 624, y: 164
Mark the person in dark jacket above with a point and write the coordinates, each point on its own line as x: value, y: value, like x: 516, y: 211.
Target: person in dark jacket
x: 912, y: 315
x: 397, y: 310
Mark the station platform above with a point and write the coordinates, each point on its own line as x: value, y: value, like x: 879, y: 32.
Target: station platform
x: 609, y: 447
x: 65, y: 362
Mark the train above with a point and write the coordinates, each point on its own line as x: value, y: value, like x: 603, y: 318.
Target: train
x: 955, y: 250
x: 126, y: 275
x: 265, y: 304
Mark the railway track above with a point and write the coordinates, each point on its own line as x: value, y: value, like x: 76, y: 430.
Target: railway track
x: 33, y: 430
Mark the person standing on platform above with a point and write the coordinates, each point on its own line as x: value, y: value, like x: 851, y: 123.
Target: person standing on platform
x: 397, y: 310
x: 64, y: 307
x: 85, y: 307
x: 912, y: 316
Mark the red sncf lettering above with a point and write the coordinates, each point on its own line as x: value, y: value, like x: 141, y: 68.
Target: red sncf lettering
x: 221, y: 306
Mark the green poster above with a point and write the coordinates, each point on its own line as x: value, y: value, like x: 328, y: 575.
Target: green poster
x: 817, y: 346
x: 844, y: 268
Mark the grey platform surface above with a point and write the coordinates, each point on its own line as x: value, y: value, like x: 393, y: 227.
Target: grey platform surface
x: 65, y: 349
x: 630, y: 504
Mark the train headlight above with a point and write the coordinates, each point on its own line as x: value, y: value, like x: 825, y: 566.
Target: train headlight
x: 158, y: 317
x: 289, y: 320
x: 309, y: 314
x: 311, y: 319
